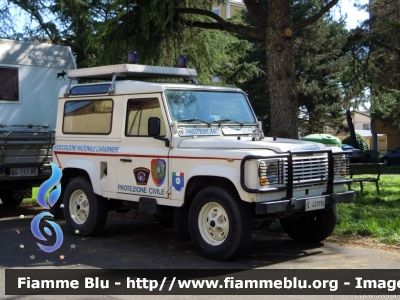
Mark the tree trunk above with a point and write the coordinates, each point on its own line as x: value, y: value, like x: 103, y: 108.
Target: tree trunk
x: 351, y: 129
x: 281, y: 70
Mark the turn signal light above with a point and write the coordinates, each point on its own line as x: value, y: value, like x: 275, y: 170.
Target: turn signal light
x: 263, y: 180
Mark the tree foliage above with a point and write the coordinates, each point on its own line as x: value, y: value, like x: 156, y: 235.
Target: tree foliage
x: 362, y: 142
x: 96, y: 27
x: 103, y: 31
x: 387, y: 107
x: 376, y: 52
x: 321, y: 66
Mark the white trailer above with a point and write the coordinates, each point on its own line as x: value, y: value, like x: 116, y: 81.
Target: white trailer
x: 31, y: 75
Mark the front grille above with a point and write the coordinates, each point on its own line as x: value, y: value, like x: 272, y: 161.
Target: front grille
x: 295, y: 170
x: 307, y: 168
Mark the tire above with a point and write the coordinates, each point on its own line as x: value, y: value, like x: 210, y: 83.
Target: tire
x: 56, y: 210
x: 9, y: 198
x: 386, y: 161
x: 84, y: 211
x: 181, y: 224
x: 312, y: 227
x: 220, y: 224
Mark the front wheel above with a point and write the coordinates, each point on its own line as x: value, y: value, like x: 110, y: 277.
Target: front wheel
x: 313, y: 226
x: 220, y: 224
x: 10, y: 197
x: 85, y: 212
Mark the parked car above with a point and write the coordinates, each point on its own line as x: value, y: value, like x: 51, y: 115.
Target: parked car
x: 356, y: 154
x: 392, y: 157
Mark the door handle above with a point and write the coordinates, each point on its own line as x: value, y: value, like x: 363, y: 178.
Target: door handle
x: 125, y: 160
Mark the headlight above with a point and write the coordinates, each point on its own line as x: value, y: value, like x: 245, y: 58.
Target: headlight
x: 262, y: 171
x: 341, y: 165
x: 268, y: 172
x: 272, y: 173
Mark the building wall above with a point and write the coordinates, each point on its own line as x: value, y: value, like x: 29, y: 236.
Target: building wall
x: 360, y: 121
x: 393, y: 135
x: 227, y: 10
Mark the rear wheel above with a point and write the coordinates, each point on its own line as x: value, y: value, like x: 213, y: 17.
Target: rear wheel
x: 11, y: 197
x: 57, y: 209
x: 313, y: 226
x: 85, y: 212
x: 220, y: 224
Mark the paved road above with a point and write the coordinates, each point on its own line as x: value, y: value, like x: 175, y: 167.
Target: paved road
x: 128, y: 243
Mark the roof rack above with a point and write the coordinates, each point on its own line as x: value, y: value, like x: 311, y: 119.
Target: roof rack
x: 130, y: 71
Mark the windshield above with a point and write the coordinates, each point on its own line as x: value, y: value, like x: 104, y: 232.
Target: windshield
x: 209, y: 107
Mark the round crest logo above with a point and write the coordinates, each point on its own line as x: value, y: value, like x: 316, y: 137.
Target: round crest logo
x: 141, y: 175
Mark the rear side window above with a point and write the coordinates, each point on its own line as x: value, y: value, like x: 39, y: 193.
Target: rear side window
x: 90, y: 89
x: 139, y: 112
x: 9, y: 90
x: 88, y: 116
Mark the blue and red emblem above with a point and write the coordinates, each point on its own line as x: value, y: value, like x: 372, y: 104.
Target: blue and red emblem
x: 178, y: 180
x: 158, y: 171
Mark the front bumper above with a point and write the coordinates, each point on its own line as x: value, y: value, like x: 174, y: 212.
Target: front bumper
x: 293, y: 205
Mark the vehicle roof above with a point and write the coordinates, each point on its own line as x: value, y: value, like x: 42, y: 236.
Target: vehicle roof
x: 126, y: 87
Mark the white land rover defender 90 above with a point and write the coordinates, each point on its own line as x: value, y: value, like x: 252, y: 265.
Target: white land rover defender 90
x: 192, y: 155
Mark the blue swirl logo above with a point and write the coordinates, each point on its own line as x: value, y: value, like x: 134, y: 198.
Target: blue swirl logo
x: 41, y: 200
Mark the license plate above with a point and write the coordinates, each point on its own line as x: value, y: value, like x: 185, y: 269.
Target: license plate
x: 315, y: 203
x: 15, y: 172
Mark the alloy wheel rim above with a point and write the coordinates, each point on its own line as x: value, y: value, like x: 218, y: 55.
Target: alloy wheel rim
x: 213, y: 223
x: 79, y: 207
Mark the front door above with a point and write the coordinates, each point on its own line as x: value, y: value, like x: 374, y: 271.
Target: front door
x: 143, y: 160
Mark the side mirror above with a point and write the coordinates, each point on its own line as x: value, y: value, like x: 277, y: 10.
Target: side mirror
x: 153, y: 126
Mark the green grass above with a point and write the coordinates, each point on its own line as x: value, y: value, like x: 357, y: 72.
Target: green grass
x: 373, y: 215
x: 392, y: 169
x: 34, y: 194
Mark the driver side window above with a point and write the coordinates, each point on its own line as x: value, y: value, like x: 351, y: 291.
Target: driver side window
x: 138, y: 114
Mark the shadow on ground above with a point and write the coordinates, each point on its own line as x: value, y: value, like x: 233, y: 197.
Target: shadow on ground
x: 132, y: 241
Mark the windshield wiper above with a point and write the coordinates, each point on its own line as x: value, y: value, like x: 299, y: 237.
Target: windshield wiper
x: 192, y: 120
x: 229, y: 120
